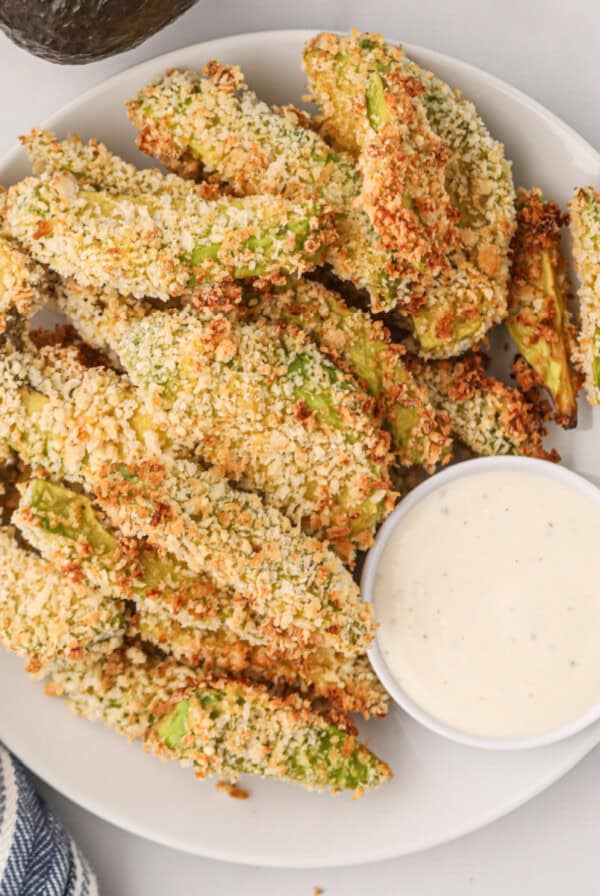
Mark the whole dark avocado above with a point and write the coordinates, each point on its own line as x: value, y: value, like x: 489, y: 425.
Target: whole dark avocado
x: 77, y: 31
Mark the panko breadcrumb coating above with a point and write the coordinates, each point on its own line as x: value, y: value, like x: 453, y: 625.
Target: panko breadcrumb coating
x: 101, y: 317
x: 538, y: 320
x: 489, y: 417
x: 94, y: 165
x: 82, y: 425
x: 23, y: 283
x: 296, y: 582
x: 335, y: 684
x: 362, y: 346
x: 267, y: 409
x: 186, y: 616
x: 216, y: 126
x: 69, y: 532
x: 469, y: 296
x: 371, y: 107
x: 585, y: 234
x: 480, y: 186
x: 217, y: 726
x: 45, y: 618
x: 261, y: 404
x: 238, y: 138
x: 163, y: 244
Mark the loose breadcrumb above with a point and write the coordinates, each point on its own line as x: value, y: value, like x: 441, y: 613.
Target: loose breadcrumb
x: 233, y: 791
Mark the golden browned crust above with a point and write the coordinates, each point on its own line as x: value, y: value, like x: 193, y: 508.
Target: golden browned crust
x: 390, y: 174
x: 227, y: 725
x: 362, y: 347
x: 539, y: 289
x: 401, y: 159
x: 489, y: 417
x: 539, y: 227
x: 64, y: 336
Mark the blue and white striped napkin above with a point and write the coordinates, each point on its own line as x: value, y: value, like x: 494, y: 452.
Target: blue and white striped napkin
x: 37, y: 856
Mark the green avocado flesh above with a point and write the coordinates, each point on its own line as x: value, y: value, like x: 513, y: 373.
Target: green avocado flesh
x: 63, y: 512
x: 322, y: 761
x: 319, y: 402
x: 171, y: 730
x: 596, y: 361
x: 597, y: 372
x: 70, y: 515
x: 377, y: 109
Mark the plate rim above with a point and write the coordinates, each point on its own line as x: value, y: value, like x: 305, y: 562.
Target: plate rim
x: 10, y: 155
x: 277, y: 861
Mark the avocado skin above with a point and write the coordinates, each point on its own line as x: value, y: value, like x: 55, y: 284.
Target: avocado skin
x: 80, y: 31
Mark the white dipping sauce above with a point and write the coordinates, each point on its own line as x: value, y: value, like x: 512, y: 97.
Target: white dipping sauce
x: 488, y: 598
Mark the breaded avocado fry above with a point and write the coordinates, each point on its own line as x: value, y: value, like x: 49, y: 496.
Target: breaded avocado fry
x: 163, y: 245
x: 94, y: 165
x: 67, y: 530
x: 489, y: 417
x: 585, y: 234
x: 237, y: 138
x: 83, y: 425
x: 218, y: 125
x: 44, y: 617
x: 297, y: 583
x: 350, y: 338
x: 261, y: 403
x: 23, y: 282
x: 362, y: 346
x: 216, y: 725
x: 371, y: 107
x: 337, y: 684
x: 469, y: 295
x: 538, y: 320
x: 271, y: 413
x: 185, y: 615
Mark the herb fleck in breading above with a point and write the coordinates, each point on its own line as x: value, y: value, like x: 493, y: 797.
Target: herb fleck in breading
x: 489, y: 417
x: 218, y: 726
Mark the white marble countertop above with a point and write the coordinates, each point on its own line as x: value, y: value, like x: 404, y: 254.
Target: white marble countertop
x: 549, y: 49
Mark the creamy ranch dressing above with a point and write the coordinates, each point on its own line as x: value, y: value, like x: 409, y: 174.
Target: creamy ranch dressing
x: 488, y: 599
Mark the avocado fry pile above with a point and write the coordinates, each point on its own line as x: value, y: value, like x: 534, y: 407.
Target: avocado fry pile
x: 268, y: 344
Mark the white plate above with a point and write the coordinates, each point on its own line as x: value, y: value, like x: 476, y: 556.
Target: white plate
x: 441, y: 790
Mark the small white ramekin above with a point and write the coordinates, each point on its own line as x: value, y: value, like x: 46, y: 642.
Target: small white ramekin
x: 467, y: 468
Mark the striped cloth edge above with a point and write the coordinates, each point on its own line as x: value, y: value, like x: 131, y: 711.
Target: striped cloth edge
x: 37, y: 856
